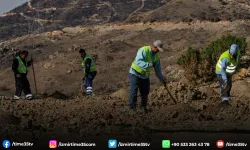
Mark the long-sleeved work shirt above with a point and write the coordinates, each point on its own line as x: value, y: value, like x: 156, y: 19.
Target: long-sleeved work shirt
x: 140, y: 61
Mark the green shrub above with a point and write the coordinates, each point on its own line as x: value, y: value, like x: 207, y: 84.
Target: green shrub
x: 200, y: 66
x: 191, y: 55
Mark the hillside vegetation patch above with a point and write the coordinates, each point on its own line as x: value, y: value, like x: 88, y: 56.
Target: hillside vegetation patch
x: 199, y: 65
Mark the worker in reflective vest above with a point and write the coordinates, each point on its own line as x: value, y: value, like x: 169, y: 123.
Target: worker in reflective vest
x: 89, y: 70
x: 147, y: 59
x: 225, y: 68
x: 20, y: 70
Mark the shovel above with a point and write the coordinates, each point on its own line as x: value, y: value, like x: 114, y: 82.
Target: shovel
x: 34, y: 76
x: 82, y: 85
x: 166, y: 87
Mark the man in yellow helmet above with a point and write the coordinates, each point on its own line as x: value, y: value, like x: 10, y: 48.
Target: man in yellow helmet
x: 225, y: 68
x: 89, y: 70
x: 20, y: 70
x: 147, y: 59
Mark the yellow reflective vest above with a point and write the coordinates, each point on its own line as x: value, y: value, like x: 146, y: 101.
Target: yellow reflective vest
x: 148, y: 59
x: 231, y: 68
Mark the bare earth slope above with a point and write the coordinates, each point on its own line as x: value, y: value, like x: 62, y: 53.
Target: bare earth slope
x: 57, y: 67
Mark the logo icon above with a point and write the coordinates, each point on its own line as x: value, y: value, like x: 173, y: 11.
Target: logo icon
x: 165, y: 143
x: 220, y: 143
x: 112, y: 143
x: 6, y: 144
x: 53, y: 144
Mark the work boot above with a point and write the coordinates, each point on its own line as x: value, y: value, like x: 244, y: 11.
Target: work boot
x: 144, y: 110
x: 91, y: 95
x: 16, y: 97
x: 225, y: 101
x: 130, y: 110
x: 29, y: 97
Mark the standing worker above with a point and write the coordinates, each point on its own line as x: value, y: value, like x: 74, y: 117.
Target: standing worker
x: 89, y: 70
x: 20, y: 70
x: 146, y: 59
x: 225, y: 68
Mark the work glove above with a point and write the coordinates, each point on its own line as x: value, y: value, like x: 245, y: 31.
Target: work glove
x: 152, y: 64
x: 83, y: 79
x: 85, y: 76
x: 31, y: 61
x: 164, y: 81
x: 86, y: 73
x: 18, y: 75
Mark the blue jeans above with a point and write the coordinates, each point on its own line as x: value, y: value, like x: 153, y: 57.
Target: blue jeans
x: 143, y: 85
x: 89, y: 81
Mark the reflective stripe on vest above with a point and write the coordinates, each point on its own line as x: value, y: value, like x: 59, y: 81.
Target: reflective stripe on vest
x: 148, y: 59
x: 92, y: 67
x: 21, y: 66
x: 231, y: 68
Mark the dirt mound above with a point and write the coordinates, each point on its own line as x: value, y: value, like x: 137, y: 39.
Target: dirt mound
x: 208, y: 91
x: 58, y: 95
x: 243, y: 73
x: 7, y: 118
x: 183, y: 93
x: 120, y: 94
x: 241, y: 89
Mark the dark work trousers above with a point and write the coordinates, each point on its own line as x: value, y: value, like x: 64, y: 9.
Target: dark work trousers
x: 225, y: 91
x: 89, y: 82
x: 22, y: 84
x: 143, y: 85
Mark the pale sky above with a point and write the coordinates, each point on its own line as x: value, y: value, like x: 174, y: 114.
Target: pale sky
x: 7, y: 5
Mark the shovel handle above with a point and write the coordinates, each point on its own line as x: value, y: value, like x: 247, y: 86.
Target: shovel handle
x: 83, y: 82
x: 34, y: 75
x: 170, y: 94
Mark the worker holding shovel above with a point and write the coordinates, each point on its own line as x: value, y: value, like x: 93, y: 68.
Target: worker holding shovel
x: 89, y: 70
x: 147, y: 58
x: 225, y: 68
x: 20, y: 70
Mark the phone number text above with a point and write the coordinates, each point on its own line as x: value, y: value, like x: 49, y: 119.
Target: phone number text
x: 190, y: 144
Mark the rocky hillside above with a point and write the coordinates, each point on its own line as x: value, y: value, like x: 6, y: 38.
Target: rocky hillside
x: 48, y: 15
x: 201, y: 10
